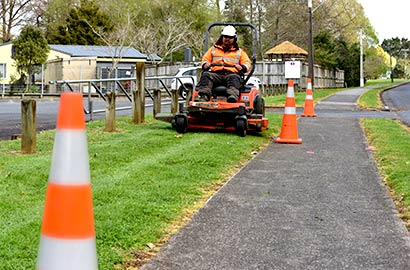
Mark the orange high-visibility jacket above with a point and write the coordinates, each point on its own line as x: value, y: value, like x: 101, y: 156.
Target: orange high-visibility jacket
x: 226, y: 60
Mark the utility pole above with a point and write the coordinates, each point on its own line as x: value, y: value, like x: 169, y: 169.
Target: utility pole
x: 361, y: 57
x: 390, y: 50
x: 310, y: 45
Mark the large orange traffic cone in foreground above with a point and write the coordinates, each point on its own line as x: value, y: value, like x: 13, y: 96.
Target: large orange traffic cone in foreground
x: 67, y: 233
x: 309, y: 110
x: 289, y: 131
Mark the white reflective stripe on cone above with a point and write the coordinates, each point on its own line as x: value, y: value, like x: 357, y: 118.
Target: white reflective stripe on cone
x: 70, y: 164
x: 309, y: 97
x: 309, y: 86
x: 290, y: 92
x: 67, y: 254
x: 290, y: 110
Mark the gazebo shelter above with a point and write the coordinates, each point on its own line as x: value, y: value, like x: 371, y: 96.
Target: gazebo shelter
x: 286, y: 51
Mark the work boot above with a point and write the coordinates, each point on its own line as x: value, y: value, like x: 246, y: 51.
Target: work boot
x: 232, y: 99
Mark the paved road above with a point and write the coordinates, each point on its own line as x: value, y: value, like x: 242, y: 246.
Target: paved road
x: 398, y: 101
x: 319, y: 205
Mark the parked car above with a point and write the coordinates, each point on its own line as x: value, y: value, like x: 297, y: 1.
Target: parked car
x: 188, y: 77
x: 255, y: 81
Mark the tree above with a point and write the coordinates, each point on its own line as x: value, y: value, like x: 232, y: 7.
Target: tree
x: 164, y: 25
x: 348, y: 59
x: 55, y: 14
x: 394, y: 48
x: 13, y: 15
x: 118, y: 41
x: 30, y: 50
x: 375, y: 63
x: 399, y: 48
x: 325, y: 50
x: 81, y: 25
x: 400, y: 70
x: 38, y: 11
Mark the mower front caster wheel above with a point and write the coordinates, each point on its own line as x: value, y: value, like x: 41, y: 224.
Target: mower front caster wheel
x: 241, y: 127
x: 181, y: 124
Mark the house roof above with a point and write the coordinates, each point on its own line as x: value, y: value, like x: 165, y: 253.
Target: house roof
x: 6, y: 43
x: 153, y: 57
x: 287, y: 47
x: 98, y: 51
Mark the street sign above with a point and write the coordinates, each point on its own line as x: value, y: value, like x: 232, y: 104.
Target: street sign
x: 292, y: 69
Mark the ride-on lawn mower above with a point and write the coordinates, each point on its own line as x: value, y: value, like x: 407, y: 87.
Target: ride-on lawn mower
x: 247, y: 114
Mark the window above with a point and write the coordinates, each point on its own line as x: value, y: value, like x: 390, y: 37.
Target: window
x: 191, y: 72
x: 3, y: 73
x: 122, y: 72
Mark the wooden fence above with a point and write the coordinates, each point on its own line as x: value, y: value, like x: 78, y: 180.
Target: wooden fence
x: 272, y: 76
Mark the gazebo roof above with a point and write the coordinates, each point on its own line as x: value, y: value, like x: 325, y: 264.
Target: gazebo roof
x: 286, y: 47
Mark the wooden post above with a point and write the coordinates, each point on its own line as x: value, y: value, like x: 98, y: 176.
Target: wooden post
x: 28, y: 126
x: 140, y: 75
x: 110, y: 112
x: 174, y: 100
x: 136, y: 107
x: 157, y: 102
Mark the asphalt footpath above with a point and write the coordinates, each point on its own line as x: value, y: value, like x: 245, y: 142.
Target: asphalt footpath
x: 317, y: 205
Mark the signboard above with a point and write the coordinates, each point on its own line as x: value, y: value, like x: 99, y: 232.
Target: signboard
x: 293, y: 69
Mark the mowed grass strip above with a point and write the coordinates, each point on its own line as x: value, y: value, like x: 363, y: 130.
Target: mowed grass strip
x: 146, y: 181
x: 390, y: 140
x: 371, y: 100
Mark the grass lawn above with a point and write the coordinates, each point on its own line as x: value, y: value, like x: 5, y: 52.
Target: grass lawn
x: 383, y: 82
x: 146, y: 181
x: 371, y: 99
x: 390, y: 140
x: 391, y: 148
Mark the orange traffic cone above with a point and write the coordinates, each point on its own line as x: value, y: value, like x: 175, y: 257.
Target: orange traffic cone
x: 67, y: 233
x: 289, y: 131
x: 309, y: 110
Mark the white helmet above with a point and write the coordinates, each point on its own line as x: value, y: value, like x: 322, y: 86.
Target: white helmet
x: 229, y: 30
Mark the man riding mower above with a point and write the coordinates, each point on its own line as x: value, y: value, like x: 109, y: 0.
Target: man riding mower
x: 222, y: 100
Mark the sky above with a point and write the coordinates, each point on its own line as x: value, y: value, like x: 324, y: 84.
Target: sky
x: 389, y: 18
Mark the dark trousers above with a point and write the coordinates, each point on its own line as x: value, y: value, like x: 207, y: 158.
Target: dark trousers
x: 208, y: 80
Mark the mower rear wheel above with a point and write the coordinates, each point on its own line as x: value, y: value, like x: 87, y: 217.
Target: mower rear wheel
x: 181, y: 124
x: 241, y: 127
x: 259, y: 105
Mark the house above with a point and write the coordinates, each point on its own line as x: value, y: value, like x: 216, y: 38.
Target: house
x: 80, y: 62
x: 8, y: 72
x: 77, y: 62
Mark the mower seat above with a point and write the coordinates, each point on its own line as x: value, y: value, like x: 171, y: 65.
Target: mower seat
x: 219, y: 91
